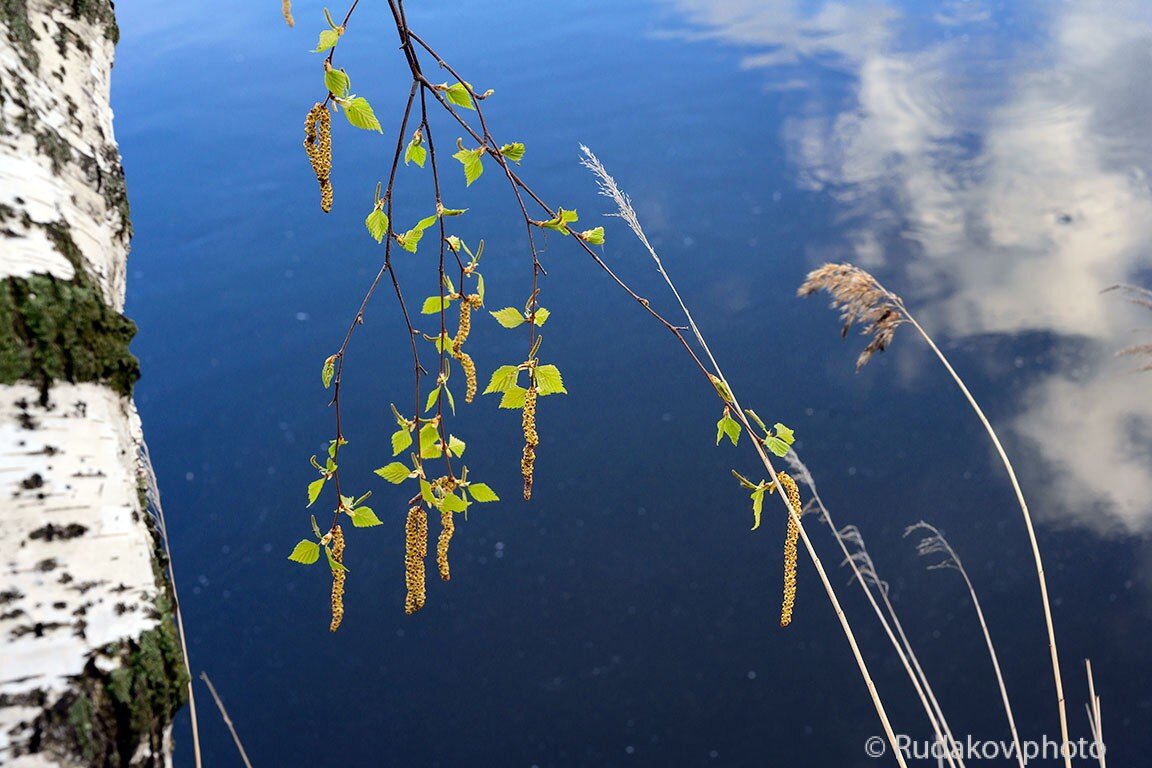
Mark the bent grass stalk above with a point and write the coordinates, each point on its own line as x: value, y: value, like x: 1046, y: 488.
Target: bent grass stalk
x: 609, y: 189
x: 935, y: 543
x: 860, y: 296
x: 864, y: 573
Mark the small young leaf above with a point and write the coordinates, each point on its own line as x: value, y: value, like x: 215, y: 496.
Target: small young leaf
x: 458, y: 95
x: 434, y: 304
x: 454, y: 503
x: 757, y: 505
x: 456, y: 446
x: 328, y: 371
x: 314, y: 489
x: 481, y: 492
x: 727, y: 426
x: 514, y: 397
x: 480, y: 286
x: 395, y: 472
x: 503, y: 379
x: 335, y: 566
x: 595, y: 236
x: 784, y: 433
x: 416, y: 153
x: 425, y: 222
x: 305, y: 553
x: 549, y: 381
x: 473, y: 166
x: 429, y: 439
x: 426, y: 491
x: 401, y: 439
x: 451, y: 399
x: 328, y: 39
x: 721, y: 388
x: 777, y: 446
x: 337, y: 82
x: 377, y: 224
x: 364, y: 517
x: 410, y: 239
x: 509, y: 317
x: 513, y: 151
x: 359, y: 113
x: 432, y: 397
x: 561, y: 221
x: 542, y: 316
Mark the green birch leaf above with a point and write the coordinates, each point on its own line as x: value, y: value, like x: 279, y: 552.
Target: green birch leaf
x: 513, y: 397
x: 426, y: 491
x: 481, y: 492
x: 513, y: 151
x: 337, y: 82
x: 480, y: 286
x: 549, y: 381
x: 425, y: 222
x: 542, y: 316
x: 777, y: 446
x: 456, y: 446
x: 305, y: 553
x: 432, y: 396
x: 473, y: 166
x: 509, y: 317
x: 335, y: 566
x: 454, y: 503
x: 453, y: 212
x: 359, y: 113
x: 595, y: 236
x: 328, y: 371
x: 757, y: 505
x: 433, y: 305
x: 377, y: 224
x: 328, y: 39
x: 410, y: 239
x: 415, y: 153
x: 401, y: 439
x: 451, y: 399
x: 503, y: 379
x: 314, y: 489
x: 784, y: 433
x: 727, y: 426
x: 364, y: 517
x: 395, y: 472
x: 458, y: 95
x: 429, y: 437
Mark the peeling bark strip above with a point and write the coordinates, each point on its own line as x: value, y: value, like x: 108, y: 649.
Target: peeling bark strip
x: 90, y: 667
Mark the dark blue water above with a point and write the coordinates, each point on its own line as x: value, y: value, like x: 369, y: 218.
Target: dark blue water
x: 988, y: 161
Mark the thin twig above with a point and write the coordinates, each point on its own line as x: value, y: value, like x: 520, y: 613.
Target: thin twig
x: 227, y: 719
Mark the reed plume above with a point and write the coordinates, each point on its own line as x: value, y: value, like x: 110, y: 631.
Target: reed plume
x: 1141, y: 297
x: 861, y: 298
x: 338, y: 576
x: 861, y: 301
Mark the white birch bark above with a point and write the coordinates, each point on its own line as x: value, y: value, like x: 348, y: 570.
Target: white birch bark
x: 88, y: 672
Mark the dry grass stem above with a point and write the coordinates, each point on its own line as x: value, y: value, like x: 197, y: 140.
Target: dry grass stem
x: 1095, y: 721
x: 861, y: 301
x: 227, y: 719
x: 935, y: 544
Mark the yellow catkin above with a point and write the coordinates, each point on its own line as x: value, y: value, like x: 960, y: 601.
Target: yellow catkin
x: 415, y: 548
x: 447, y: 527
x: 469, y: 376
x: 465, y: 324
x: 338, y: 576
x: 467, y: 303
x: 318, y: 145
x: 286, y: 9
x: 531, y: 440
x: 793, y: 494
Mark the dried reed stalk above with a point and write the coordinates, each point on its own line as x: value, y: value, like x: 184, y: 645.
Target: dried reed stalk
x: 861, y: 298
x: 1141, y: 297
x: 611, y: 190
x: 1095, y: 721
x: 936, y: 544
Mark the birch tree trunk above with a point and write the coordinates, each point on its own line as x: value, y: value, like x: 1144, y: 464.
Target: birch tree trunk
x: 90, y: 668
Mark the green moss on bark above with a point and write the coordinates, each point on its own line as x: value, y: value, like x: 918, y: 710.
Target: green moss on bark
x: 61, y: 330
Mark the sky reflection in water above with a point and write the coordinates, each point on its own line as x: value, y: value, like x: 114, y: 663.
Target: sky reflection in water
x: 988, y: 162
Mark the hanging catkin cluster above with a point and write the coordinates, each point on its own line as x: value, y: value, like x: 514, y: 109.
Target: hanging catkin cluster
x: 337, y: 579
x: 531, y: 440
x: 318, y: 145
x: 467, y: 303
x: 415, y: 549
x: 793, y: 495
x: 447, y: 528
